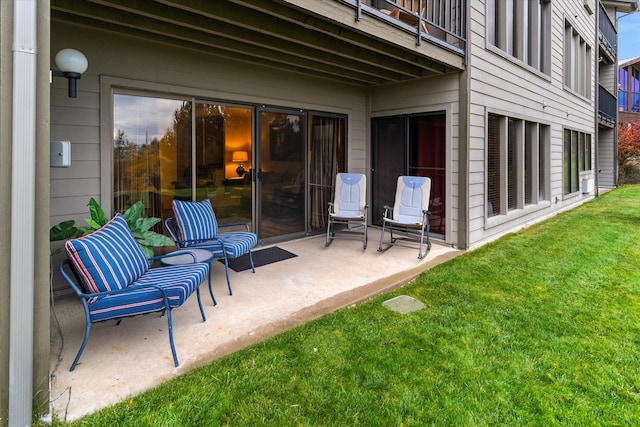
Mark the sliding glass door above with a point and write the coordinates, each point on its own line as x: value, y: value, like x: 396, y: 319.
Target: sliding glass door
x: 167, y: 149
x: 409, y: 145
x: 272, y: 168
x: 281, y: 173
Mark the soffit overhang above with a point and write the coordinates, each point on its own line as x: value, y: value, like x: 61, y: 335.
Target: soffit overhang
x: 319, y: 39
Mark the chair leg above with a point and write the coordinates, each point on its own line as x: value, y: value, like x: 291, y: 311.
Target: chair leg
x: 211, y: 290
x: 251, y: 260
x: 421, y: 255
x: 365, y: 235
x: 330, y: 233
x: 87, y: 329
x: 381, y: 238
x: 204, y: 319
x: 170, y: 326
x: 226, y: 272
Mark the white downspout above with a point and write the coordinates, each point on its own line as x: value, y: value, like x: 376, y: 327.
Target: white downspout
x: 23, y: 171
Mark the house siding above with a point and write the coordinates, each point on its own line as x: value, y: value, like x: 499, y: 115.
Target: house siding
x: 423, y: 96
x: 151, y: 66
x: 502, y: 84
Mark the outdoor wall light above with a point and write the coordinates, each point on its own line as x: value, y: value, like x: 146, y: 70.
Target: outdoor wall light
x: 72, y: 63
x: 240, y: 157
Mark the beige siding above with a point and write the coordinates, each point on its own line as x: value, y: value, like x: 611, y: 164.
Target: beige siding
x: 504, y: 85
x: 608, y: 158
x: 436, y: 94
x: 146, y: 65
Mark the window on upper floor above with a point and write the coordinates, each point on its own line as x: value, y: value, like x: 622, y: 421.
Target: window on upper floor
x: 635, y: 91
x: 576, y: 156
x: 517, y: 164
x: 577, y: 62
x: 623, y: 86
x: 521, y: 29
x: 629, y: 89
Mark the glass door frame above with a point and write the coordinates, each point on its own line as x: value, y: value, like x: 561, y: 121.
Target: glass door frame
x: 260, y: 178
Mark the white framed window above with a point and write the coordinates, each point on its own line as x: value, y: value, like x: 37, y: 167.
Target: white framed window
x: 577, y: 62
x: 517, y: 164
x: 576, y: 158
x: 521, y: 29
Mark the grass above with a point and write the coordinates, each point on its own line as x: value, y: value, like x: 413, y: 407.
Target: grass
x: 541, y: 327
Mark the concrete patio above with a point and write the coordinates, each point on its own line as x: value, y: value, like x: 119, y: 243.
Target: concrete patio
x: 125, y: 360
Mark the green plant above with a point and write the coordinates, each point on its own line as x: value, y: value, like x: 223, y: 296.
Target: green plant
x: 140, y: 228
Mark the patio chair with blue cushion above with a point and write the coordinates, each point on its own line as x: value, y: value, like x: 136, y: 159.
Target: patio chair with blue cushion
x: 409, y: 216
x: 113, y: 279
x: 194, y: 226
x: 348, y: 207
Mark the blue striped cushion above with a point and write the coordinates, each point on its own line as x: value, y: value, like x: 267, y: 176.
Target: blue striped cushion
x: 236, y: 243
x: 178, y: 281
x: 109, y: 258
x: 196, y: 220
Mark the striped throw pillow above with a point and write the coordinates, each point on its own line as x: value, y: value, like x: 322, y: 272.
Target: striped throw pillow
x: 196, y: 220
x: 109, y: 258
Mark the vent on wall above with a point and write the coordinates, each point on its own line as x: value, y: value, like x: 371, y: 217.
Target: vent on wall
x: 589, y: 5
x: 60, y: 156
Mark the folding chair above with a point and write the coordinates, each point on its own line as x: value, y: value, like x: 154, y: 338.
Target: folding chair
x: 349, y: 206
x: 409, y: 216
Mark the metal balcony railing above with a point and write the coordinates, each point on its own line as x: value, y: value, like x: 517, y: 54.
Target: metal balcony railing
x: 608, y: 35
x: 607, y: 105
x: 442, y: 21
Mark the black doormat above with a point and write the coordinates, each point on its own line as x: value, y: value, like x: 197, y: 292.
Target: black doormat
x: 260, y: 258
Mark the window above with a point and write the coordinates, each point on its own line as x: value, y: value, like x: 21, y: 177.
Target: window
x: 635, y: 90
x: 623, y: 89
x: 517, y: 152
x: 173, y: 147
x: 577, y: 62
x: 521, y: 29
x: 576, y: 155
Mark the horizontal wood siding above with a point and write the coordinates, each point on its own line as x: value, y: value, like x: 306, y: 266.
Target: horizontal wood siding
x: 423, y: 96
x: 177, y: 71
x: 504, y: 85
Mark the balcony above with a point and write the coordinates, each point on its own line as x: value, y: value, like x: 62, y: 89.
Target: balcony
x: 348, y: 41
x: 607, y: 36
x: 606, y: 108
x: 442, y: 22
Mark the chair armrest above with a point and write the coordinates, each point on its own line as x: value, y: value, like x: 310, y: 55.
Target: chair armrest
x: 83, y: 294
x: 173, y: 254
x: 237, y: 224
x: 181, y: 243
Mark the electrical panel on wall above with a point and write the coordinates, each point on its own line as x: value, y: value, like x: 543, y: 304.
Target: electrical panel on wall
x: 60, y: 154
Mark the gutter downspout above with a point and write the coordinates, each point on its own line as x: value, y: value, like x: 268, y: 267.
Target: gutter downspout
x: 22, y: 255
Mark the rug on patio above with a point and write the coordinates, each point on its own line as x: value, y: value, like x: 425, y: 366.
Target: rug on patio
x: 260, y: 258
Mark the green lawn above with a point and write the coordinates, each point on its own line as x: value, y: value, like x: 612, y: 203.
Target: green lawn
x: 539, y: 328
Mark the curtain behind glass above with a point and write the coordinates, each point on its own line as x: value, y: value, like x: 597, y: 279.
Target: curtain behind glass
x: 326, y: 160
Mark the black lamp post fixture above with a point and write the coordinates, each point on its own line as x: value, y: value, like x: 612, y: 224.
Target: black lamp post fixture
x: 72, y: 63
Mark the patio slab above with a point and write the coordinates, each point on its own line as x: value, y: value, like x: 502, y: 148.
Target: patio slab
x: 122, y: 361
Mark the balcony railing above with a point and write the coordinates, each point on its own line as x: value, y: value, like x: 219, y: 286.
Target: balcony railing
x: 608, y: 35
x: 606, y: 107
x: 441, y: 21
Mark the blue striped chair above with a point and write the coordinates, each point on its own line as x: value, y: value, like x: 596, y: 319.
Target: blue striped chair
x: 194, y: 226
x: 113, y: 279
